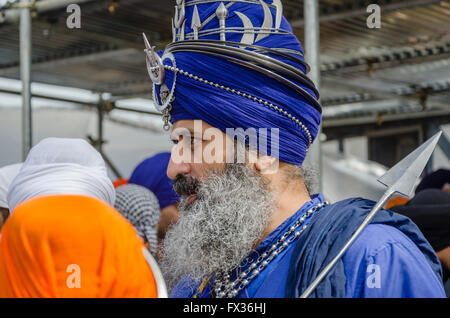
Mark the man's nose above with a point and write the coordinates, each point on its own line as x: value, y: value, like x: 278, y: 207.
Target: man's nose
x: 176, y: 167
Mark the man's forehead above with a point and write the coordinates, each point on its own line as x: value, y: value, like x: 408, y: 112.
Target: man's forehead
x: 187, y: 123
x: 191, y: 125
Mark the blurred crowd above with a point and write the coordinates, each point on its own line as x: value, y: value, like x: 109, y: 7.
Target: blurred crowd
x: 62, y: 218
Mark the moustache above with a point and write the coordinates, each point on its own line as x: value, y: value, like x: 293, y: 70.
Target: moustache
x: 185, y: 185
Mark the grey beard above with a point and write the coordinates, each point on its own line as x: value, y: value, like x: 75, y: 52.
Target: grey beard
x: 220, y: 228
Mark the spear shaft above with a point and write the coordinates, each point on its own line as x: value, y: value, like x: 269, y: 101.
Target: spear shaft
x: 363, y: 225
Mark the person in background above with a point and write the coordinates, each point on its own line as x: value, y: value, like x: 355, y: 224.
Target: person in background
x: 152, y: 174
x: 7, y: 174
x: 72, y: 246
x: 61, y: 166
x: 430, y: 211
x: 119, y: 182
x: 439, y: 179
x: 141, y: 208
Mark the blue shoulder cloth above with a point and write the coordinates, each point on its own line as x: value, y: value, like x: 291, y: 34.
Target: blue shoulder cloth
x: 327, y: 234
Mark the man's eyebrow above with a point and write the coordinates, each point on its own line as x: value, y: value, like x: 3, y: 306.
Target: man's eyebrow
x: 191, y: 133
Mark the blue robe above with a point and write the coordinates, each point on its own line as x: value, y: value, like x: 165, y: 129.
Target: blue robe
x: 390, y: 258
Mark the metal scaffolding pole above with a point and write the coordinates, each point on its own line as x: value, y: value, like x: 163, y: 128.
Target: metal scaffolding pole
x: 25, y: 75
x: 312, y: 51
x: 99, y: 142
x: 100, y: 112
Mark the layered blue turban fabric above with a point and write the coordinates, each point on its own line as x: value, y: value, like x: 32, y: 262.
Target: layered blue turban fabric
x: 224, y: 109
x: 152, y: 174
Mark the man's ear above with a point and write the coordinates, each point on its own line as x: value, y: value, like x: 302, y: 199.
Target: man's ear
x: 267, y: 164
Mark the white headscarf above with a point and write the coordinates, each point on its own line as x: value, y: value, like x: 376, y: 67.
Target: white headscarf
x: 7, y: 174
x: 62, y: 166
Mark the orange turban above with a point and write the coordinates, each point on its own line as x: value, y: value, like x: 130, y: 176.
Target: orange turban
x: 72, y: 246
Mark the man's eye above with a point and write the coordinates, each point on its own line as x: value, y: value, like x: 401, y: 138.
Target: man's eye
x: 175, y: 141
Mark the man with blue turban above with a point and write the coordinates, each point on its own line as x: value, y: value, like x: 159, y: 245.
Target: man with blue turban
x: 234, y: 78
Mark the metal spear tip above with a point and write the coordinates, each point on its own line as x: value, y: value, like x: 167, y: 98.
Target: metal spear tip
x: 403, y: 176
x: 222, y: 12
x: 196, y: 22
x: 147, y: 44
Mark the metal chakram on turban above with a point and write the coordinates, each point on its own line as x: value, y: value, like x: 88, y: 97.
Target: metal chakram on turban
x: 237, y: 64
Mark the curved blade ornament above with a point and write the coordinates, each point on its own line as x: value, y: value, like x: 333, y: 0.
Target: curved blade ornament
x: 181, y: 35
x: 279, y: 17
x: 249, y: 34
x: 174, y: 32
x: 180, y: 13
x: 268, y: 21
x: 164, y: 94
x: 155, y: 67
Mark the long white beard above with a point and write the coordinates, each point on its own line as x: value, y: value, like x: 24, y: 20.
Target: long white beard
x: 220, y: 228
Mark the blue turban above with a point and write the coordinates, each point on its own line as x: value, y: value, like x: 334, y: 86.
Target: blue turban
x: 210, y: 94
x: 152, y: 174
